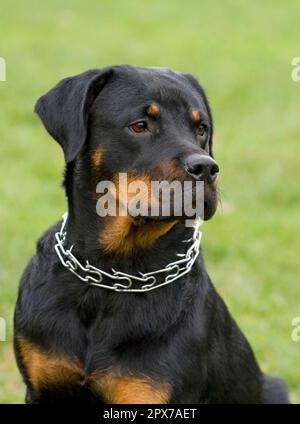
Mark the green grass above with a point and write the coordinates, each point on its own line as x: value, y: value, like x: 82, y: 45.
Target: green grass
x: 241, y: 52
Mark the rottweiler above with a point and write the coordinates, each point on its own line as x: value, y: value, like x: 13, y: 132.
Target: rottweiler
x: 120, y: 309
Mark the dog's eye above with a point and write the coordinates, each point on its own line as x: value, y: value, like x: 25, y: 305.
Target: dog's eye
x: 201, y: 130
x: 139, y: 127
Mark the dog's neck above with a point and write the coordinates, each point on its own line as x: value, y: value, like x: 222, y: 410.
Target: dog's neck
x: 116, y: 242
x: 110, y: 242
x: 85, y: 231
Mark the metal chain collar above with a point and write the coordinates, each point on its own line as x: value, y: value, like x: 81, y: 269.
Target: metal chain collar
x: 120, y: 281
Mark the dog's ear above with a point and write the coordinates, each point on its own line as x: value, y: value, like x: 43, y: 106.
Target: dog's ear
x: 197, y: 87
x: 64, y: 109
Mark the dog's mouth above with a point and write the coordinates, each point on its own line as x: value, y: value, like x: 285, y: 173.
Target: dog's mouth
x: 182, y: 212
x: 139, y: 220
x: 210, y: 208
x: 146, y: 199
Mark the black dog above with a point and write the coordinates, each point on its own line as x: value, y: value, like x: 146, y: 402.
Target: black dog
x: 76, y: 342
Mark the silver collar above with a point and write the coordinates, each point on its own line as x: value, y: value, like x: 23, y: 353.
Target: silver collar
x: 120, y: 281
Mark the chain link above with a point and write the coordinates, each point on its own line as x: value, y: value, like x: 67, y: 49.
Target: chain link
x: 120, y: 280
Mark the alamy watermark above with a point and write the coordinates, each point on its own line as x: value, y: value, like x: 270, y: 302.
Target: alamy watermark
x: 296, y: 331
x: 296, y: 69
x: 149, y: 198
x: 2, y: 69
x: 2, y: 330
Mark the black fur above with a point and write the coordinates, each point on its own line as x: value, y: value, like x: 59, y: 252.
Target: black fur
x: 181, y: 333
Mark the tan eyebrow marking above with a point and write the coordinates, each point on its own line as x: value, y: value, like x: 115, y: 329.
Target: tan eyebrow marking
x: 153, y: 110
x: 196, y: 117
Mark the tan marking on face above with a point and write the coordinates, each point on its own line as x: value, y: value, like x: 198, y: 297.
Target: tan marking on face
x: 171, y: 170
x: 153, y: 110
x: 48, y: 368
x: 196, y: 117
x: 121, y: 235
x: 126, y: 389
x: 96, y: 157
x: 216, y: 184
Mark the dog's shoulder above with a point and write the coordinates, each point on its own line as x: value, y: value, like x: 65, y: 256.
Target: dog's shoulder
x: 38, y: 266
x: 39, y: 286
x: 45, y: 244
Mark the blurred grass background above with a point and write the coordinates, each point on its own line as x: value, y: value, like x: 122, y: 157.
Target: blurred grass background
x: 241, y: 52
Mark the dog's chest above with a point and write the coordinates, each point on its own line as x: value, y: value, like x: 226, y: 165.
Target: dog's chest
x: 84, y: 357
x: 50, y: 371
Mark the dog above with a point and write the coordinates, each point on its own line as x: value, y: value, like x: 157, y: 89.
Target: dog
x: 102, y: 316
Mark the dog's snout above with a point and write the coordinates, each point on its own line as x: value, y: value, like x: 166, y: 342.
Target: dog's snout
x: 201, y: 167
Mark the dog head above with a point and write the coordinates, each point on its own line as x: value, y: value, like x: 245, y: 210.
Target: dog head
x: 152, y: 124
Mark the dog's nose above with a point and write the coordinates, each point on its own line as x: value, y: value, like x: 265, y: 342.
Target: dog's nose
x: 201, y: 167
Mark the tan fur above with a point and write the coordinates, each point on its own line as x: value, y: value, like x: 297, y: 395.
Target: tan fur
x: 48, y: 368
x: 171, y: 170
x: 121, y: 235
x: 216, y: 184
x: 126, y: 389
x: 153, y: 110
x: 96, y: 157
x: 196, y: 117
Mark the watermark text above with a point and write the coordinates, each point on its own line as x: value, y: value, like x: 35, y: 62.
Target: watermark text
x: 2, y: 69
x: 2, y: 330
x: 296, y: 331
